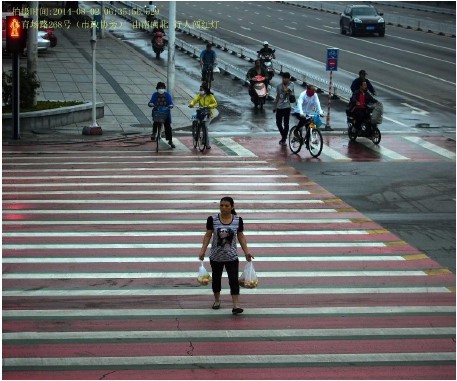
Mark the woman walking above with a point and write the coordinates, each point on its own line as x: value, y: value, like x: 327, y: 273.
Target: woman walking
x: 225, y: 228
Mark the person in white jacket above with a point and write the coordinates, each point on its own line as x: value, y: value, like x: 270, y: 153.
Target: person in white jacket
x: 307, y: 103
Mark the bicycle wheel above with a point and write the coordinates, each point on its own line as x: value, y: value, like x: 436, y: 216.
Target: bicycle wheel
x: 295, y: 139
x: 202, y: 141
x: 194, y: 133
x: 315, y: 142
x: 208, y: 78
x: 159, y: 130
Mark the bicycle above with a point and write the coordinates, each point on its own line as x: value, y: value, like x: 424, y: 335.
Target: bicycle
x: 200, y: 129
x: 312, y: 139
x: 159, y: 116
x: 208, y: 70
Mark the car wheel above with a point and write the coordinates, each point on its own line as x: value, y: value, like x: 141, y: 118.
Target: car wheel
x: 342, y: 30
x: 381, y: 34
x: 351, y: 31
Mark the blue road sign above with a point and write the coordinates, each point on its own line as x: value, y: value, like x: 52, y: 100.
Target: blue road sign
x: 332, y: 59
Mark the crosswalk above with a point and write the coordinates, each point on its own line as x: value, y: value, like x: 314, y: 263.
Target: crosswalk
x: 339, y: 148
x: 100, y: 262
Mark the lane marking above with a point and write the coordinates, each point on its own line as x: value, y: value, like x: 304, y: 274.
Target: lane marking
x: 202, y: 291
x: 383, y: 151
x: 231, y: 333
x: 157, y: 192
x: 214, y: 360
x: 161, y: 211
x: 335, y: 155
x: 192, y: 274
x: 362, y: 258
x: 268, y: 233
x: 94, y: 246
x: 431, y: 147
x: 154, y: 312
x: 235, y: 147
x: 174, y: 221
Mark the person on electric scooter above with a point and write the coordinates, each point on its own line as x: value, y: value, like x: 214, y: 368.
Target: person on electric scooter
x: 258, y: 69
x: 156, y: 29
x: 307, y: 102
x: 207, y: 58
x: 362, y: 77
x: 266, y: 51
x: 205, y: 98
x: 357, y: 106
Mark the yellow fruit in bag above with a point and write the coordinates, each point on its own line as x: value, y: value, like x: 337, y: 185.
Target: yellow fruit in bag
x: 204, y: 279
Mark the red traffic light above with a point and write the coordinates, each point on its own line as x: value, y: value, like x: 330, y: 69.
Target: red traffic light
x: 16, y: 35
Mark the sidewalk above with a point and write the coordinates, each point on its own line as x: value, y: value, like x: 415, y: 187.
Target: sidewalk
x: 125, y: 81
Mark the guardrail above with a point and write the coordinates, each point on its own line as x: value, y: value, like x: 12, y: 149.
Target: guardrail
x: 404, y: 21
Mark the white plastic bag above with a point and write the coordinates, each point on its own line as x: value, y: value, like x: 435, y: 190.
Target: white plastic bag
x: 248, y: 278
x: 204, y: 276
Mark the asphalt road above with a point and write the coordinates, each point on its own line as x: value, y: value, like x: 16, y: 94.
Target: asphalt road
x: 415, y: 201
x: 413, y: 71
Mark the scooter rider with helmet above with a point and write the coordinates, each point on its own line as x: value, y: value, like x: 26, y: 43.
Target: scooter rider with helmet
x: 265, y: 51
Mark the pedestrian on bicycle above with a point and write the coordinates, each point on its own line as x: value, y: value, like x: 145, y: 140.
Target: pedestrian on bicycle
x: 161, y: 98
x: 225, y: 228
x: 282, y: 106
x: 207, y: 61
x: 307, y: 103
x: 205, y: 98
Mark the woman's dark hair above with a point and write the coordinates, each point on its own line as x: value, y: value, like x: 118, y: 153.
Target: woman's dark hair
x: 161, y: 85
x: 205, y: 88
x: 229, y: 200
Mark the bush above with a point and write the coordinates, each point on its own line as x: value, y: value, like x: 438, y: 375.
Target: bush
x: 28, y: 84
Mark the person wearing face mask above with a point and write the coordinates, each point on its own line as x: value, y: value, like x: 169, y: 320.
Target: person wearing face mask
x: 161, y: 98
x: 307, y: 103
x: 205, y: 98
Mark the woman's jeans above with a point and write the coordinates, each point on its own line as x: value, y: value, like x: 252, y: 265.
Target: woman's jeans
x: 232, y: 268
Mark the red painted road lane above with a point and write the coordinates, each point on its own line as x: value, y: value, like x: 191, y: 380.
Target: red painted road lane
x: 260, y: 372
x: 227, y: 348
x: 247, y: 301
x: 227, y: 323
x: 164, y: 239
x: 446, y: 280
x: 123, y: 267
x: 196, y: 226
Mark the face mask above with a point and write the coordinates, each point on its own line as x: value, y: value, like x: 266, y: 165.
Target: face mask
x: 310, y: 93
x: 202, y: 92
x: 161, y: 91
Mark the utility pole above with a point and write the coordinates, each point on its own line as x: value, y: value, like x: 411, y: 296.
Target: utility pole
x: 32, y: 49
x: 171, y: 47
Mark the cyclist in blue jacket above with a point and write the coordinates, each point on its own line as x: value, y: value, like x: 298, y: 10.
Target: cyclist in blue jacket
x: 161, y: 98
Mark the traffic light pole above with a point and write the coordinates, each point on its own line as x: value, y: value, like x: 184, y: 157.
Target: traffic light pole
x: 16, y: 97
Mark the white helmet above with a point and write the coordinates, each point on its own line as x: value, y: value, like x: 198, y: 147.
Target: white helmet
x: 265, y: 42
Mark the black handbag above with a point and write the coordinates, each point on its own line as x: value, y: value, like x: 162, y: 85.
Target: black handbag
x: 292, y: 98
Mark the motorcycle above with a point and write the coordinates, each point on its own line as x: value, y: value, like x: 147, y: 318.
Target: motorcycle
x: 259, y: 93
x: 369, y: 127
x: 158, y: 43
x: 266, y: 60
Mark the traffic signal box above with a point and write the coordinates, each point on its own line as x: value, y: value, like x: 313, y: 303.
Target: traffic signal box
x: 16, y: 35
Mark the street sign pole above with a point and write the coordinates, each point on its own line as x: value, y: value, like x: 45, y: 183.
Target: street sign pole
x: 332, y: 65
x: 16, y: 97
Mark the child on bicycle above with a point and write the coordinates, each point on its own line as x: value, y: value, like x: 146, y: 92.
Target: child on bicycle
x: 162, y: 98
x: 205, y: 98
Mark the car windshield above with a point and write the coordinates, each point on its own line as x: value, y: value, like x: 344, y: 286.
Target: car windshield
x: 364, y: 12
